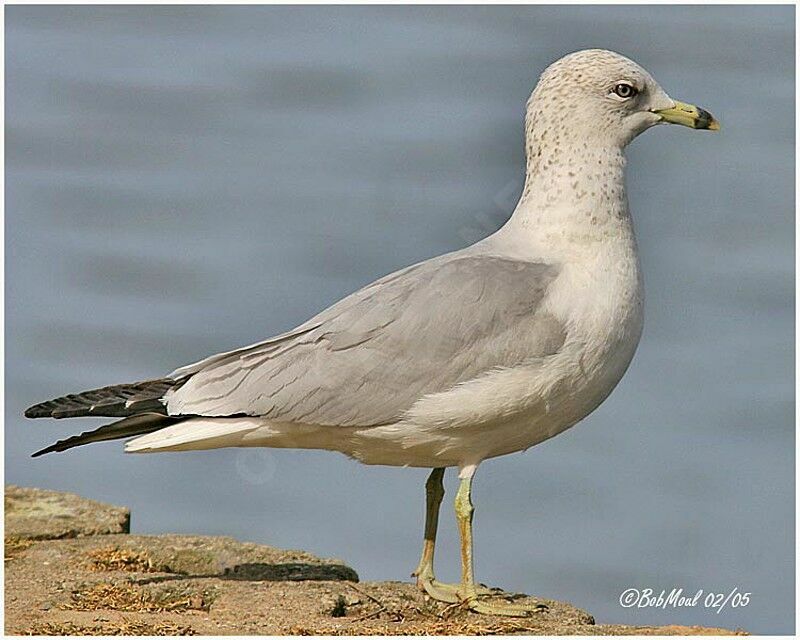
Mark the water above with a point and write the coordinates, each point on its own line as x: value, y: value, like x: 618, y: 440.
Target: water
x: 184, y: 180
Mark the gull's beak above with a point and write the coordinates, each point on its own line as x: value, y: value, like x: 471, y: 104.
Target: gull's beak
x: 689, y: 116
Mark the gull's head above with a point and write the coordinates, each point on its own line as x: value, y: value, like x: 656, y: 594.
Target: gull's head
x: 600, y: 97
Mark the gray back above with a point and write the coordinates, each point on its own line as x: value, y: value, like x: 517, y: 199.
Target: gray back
x: 368, y: 358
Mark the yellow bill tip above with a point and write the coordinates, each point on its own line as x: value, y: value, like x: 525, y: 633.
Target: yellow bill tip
x: 689, y: 115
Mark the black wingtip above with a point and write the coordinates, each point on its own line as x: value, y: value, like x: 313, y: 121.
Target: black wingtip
x: 133, y: 426
x: 37, y: 411
x: 67, y: 443
x: 115, y: 401
x: 50, y: 449
x: 63, y: 445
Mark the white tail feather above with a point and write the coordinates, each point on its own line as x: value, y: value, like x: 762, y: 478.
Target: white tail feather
x: 197, y: 433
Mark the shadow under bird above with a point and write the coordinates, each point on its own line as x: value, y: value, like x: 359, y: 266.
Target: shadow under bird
x: 467, y: 356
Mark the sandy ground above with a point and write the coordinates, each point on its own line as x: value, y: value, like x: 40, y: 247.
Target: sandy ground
x: 119, y: 584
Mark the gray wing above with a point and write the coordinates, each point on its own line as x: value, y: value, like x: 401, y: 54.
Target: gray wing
x: 368, y: 358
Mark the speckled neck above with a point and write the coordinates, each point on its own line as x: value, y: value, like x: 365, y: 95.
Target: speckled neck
x: 574, y: 196
x: 580, y: 175
x: 570, y: 160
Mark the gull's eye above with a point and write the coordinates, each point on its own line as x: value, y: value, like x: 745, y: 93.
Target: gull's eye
x: 625, y: 90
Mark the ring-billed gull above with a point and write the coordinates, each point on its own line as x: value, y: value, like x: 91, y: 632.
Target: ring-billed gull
x: 467, y: 356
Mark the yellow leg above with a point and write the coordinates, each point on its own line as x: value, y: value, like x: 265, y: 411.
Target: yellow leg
x: 468, y: 591
x: 426, y: 580
x: 434, y: 492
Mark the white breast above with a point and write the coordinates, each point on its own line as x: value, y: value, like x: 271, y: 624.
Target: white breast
x: 598, y: 298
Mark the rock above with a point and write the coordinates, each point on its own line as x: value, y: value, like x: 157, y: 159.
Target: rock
x: 114, y: 584
x: 38, y: 514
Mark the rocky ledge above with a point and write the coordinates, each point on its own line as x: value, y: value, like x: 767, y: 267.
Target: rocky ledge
x: 72, y: 568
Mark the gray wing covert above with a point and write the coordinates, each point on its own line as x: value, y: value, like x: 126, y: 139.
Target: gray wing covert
x: 368, y: 358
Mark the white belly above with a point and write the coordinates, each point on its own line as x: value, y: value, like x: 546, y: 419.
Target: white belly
x: 499, y: 413
x: 514, y: 409
x: 538, y: 402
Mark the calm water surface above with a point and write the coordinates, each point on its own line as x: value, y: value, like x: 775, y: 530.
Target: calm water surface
x: 185, y: 180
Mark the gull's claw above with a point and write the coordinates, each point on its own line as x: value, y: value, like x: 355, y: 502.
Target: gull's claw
x: 444, y: 592
x: 508, y: 610
x: 470, y: 597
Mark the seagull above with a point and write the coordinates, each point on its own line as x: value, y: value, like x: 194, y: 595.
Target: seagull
x: 467, y: 356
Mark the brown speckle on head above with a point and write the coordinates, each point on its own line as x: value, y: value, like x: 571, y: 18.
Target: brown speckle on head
x: 575, y: 97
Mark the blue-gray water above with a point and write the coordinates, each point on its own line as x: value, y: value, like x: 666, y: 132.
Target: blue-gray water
x: 180, y: 181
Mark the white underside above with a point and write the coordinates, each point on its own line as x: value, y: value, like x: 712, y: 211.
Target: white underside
x: 505, y: 411
x: 501, y: 412
x: 597, y: 297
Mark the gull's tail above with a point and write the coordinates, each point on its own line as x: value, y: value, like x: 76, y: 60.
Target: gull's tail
x: 140, y: 405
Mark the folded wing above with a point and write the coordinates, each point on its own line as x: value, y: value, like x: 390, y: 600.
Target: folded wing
x: 368, y: 358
